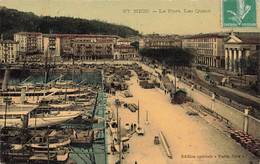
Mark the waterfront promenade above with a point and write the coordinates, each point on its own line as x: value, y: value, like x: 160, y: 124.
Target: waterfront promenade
x: 191, y: 138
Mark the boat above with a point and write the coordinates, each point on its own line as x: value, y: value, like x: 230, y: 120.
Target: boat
x: 52, y: 140
x: 10, y: 155
x: 31, y: 117
x: 54, y: 156
x: 82, y: 137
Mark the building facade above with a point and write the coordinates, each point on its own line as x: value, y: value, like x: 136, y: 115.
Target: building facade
x: 29, y: 42
x: 157, y: 41
x: 123, y: 42
x: 208, y: 49
x: 122, y: 52
x: 9, y: 51
x: 52, y: 47
x: 84, y: 49
x: 240, y: 45
x: 67, y: 46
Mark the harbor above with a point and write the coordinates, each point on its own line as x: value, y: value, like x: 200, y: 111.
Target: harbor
x: 122, y: 114
x: 59, y: 120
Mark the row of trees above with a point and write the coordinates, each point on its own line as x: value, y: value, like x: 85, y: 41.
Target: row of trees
x: 249, y: 66
x: 170, y: 57
x: 13, y: 21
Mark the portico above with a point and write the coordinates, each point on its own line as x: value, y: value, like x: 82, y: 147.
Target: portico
x: 235, y: 49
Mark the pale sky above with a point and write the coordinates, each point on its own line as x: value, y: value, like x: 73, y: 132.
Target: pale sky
x: 163, y: 17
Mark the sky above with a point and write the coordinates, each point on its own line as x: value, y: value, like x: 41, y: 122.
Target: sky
x: 149, y: 16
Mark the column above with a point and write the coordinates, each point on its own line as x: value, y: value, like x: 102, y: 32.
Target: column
x: 226, y: 59
x: 235, y: 60
x: 230, y: 60
x: 239, y: 57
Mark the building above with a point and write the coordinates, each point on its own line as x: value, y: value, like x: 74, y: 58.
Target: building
x: 124, y: 52
x: 156, y: 41
x: 65, y: 45
x: 52, y: 47
x: 9, y: 51
x: 240, y: 45
x: 29, y: 42
x: 85, y: 49
x: 123, y: 42
x: 208, y: 49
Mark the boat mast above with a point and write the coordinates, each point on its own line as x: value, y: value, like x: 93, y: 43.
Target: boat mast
x: 48, y: 146
x: 6, y: 100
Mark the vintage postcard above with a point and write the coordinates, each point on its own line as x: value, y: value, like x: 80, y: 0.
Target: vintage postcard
x: 130, y: 82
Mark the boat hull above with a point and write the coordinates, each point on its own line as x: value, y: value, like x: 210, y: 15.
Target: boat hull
x: 50, y: 120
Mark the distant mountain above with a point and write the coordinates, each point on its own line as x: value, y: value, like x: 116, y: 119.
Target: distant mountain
x: 13, y: 21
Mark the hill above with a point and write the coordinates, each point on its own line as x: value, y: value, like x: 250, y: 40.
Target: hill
x: 13, y: 21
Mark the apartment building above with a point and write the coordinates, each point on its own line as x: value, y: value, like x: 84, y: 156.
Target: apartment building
x: 63, y: 45
x: 9, y: 51
x: 208, y: 49
x: 29, y: 42
x: 157, y: 41
x: 124, y: 52
x: 84, y: 49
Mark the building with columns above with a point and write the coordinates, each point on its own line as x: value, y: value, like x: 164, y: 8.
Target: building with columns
x: 208, y: 49
x: 240, y: 45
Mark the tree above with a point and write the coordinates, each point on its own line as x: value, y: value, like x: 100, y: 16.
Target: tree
x: 170, y: 56
x: 243, y: 65
x: 135, y: 45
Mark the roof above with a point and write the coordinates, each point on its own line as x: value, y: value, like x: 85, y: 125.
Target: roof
x: 246, y: 37
x: 80, y: 36
x: 124, y: 47
x: 250, y: 40
x: 123, y: 40
x: 204, y: 36
x: 28, y: 33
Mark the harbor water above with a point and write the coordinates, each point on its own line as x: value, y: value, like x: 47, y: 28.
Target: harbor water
x: 95, y: 153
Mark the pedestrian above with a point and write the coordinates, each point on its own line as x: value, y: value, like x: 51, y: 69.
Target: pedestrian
x: 164, y: 91
x: 135, y: 162
x: 132, y: 127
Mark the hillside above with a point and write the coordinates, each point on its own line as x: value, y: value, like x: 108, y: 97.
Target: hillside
x: 13, y: 21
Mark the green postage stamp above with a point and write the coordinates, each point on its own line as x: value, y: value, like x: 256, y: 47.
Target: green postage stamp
x: 239, y: 13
